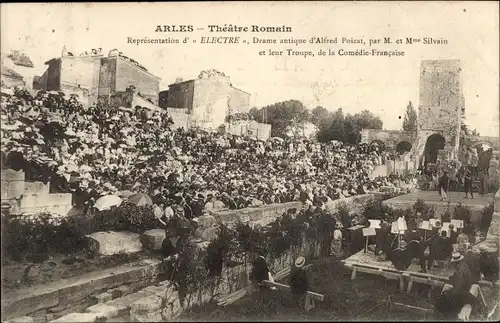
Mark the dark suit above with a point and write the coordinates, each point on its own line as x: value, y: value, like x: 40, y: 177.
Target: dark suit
x: 440, y: 248
x: 299, y: 285
x: 260, y: 271
x: 488, y: 265
x: 453, y: 237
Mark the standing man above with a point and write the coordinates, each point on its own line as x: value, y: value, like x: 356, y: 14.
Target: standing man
x: 443, y: 186
x: 299, y: 283
x: 483, y: 186
x: 468, y: 183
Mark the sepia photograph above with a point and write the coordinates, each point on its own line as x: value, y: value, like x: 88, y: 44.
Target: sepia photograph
x: 250, y: 161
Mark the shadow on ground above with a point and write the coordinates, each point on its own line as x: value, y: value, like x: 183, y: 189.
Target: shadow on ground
x: 364, y: 299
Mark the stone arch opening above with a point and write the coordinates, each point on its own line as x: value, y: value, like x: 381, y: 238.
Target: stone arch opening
x: 403, y: 147
x: 433, y: 144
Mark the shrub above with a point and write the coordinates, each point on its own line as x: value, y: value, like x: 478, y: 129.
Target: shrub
x: 374, y: 210
x: 278, y: 242
x: 127, y: 217
x: 40, y: 235
x: 222, y: 250
x: 487, y: 217
x: 293, y: 230
x: 462, y: 212
x: 344, y: 215
x: 188, y: 274
x: 248, y: 239
x: 427, y: 211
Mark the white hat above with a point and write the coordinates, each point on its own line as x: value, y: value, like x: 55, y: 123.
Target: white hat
x: 300, y: 261
x: 456, y: 256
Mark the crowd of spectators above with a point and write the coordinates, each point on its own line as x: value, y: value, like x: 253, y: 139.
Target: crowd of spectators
x: 97, y: 151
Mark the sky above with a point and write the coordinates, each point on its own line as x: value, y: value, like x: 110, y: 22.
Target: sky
x: 380, y: 84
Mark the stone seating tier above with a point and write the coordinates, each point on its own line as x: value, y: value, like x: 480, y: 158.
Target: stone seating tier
x: 31, y: 197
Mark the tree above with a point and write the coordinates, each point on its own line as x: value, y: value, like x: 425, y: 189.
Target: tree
x: 367, y: 120
x: 319, y: 115
x: 357, y: 122
x: 336, y: 126
x: 410, y: 121
x: 255, y: 114
x: 284, y: 117
x: 465, y: 132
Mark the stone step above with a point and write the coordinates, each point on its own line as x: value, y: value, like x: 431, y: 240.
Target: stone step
x: 73, y: 290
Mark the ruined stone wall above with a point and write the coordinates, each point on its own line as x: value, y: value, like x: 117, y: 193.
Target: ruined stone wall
x: 391, y: 138
x: 493, y: 142
x: 12, y: 184
x: 239, y: 101
x: 210, y: 101
x: 31, y: 197
x: 440, y: 100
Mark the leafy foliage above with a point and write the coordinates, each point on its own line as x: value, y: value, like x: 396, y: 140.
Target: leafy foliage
x: 249, y: 240
x: 293, y: 230
x: 127, y: 217
x: 373, y: 210
x: 344, y: 215
x: 283, y: 116
x: 279, y: 243
x: 410, y: 121
x: 41, y: 236
x: 346, y: 128
x: 188, y: 273
x: 462, y: 212
x: 426, y: 211
x: 487, y: 217
x: 221, y: 250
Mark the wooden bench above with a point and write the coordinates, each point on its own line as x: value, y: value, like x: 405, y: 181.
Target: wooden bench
x: 249, y: 290
x: 311, y: 297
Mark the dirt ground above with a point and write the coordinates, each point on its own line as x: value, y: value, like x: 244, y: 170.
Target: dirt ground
x: 16, y: 275
x: 364, y: 299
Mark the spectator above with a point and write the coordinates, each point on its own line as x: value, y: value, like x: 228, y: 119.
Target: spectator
x: 298, y: 282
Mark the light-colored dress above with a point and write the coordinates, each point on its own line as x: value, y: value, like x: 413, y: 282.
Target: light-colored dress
x: 336, y: 246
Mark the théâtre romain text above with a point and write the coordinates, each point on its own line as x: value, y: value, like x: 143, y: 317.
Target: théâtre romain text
x: 225, y: 28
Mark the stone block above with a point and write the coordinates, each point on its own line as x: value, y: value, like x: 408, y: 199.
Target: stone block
x: 75, y: 292
x: 120, y: 291
x: 104, y: 298
x: 172, y: 310
x: 38, y: 188
x: 231, y: 217
x: 149, y: 303
x: 152, y: 239
x: 107, y: 311
x: 124, y: 290
x: 112, y: 243
x: 51, y: 203
x: 12, y: 175
x: 12, y: 189
x: 20, y: 305
x: 207, y: 221
x: 157, y: 290
x: 22, y: 319
x: 146, y: 317
x: 76, y: 317
x: 255, y: 214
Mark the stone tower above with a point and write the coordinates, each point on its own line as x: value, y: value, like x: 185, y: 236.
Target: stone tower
x: 441, y: 107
